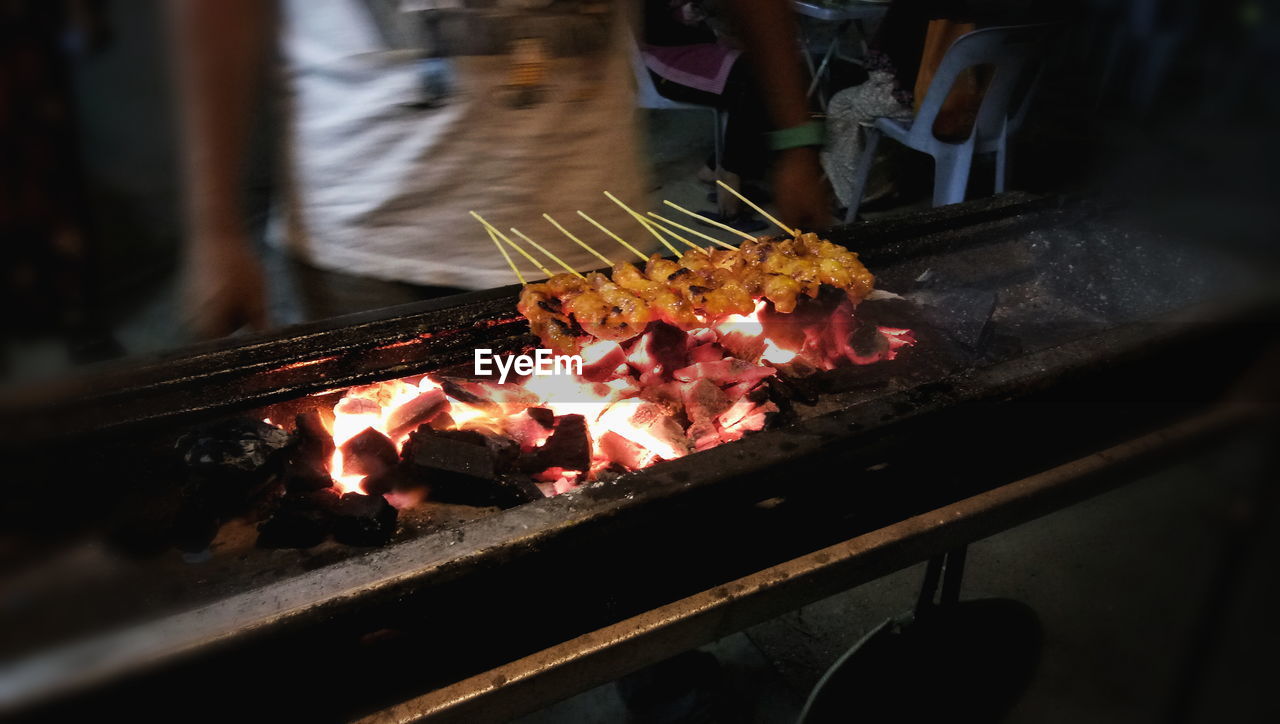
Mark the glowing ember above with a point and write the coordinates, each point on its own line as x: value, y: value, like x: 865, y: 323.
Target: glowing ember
x: 657, y: 397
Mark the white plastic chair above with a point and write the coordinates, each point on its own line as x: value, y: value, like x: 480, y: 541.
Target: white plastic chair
x: 1014, y: 53
x: 647, y: 96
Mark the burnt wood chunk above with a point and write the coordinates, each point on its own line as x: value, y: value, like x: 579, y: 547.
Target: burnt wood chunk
x: 301, y: 520
x: 465, y: 467
x: 703, y: 400
x: 468, y: 392
x: 602, y: 369
x: 624, y: 453
x: 529, y: 429
x: 463, y: 452
x: 569, y: 446
x: 415, y: 412
x: 363, y: 520
x: 232, y: 465
x: 370, y: 453
x: 307, y: 467
x: 545, y: 417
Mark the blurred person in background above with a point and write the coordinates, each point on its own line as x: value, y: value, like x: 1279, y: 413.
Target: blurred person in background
x: 47, y: 285
x: 692, y: 63
x: 403, y: 115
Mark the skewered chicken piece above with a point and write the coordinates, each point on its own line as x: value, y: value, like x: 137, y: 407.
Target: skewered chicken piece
x: 690, y: 292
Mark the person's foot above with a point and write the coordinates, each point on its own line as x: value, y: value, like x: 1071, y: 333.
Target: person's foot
x: 707, y: 175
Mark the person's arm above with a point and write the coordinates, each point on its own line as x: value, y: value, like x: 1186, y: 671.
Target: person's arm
x: 220, y: 48
x: 768, y: 31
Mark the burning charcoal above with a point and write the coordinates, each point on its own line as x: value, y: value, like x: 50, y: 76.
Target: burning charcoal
x: 307, y: 467
x: 442, y: 421
x: 370, y: 453
x: 704, y: 435
x: 703, y: 400
x: 621, y: 451
x: 460, y: 466
x: 545, y: 417
x: 415, y: 412
x: 703, y: 403
x: 669, y: 346
x: 350, y: 405
x: 363, y: 520
x: 469, y: 393
x: 601, y: 360
x: 746, y: 415
x: 649, y: 425
x: 569, y: 447
x: 386, y: 482
x: 513, y: 490
x: 463, y: 452
x: 707, y: 353
x: 530, y: 430
x: 728, y: 371
x: 231, y: 465
x: 744, y: 343
x: 669, y: 396
x: 301, y: 520
x: 866, y: 344
x: 236, y: 448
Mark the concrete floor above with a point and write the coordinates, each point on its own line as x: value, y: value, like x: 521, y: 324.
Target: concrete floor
x: 1119, y: 583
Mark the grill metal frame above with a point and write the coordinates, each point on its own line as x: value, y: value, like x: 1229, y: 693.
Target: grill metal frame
x: 717, y: 497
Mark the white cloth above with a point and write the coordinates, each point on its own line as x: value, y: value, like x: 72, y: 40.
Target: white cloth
x: 848, y: 112
x: 380, y: 185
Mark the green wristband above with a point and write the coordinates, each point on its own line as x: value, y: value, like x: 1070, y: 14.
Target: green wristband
x: 812, y: 133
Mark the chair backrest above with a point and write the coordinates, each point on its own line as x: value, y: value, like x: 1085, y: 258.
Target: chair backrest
x: 1012, y: 51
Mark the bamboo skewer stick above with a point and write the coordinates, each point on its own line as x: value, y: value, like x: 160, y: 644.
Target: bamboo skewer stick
x: 695, y: 232
x: 615, y: 237
x: 512, y: 244
x: 675, y: 236
x: 643, y: 223
x: 713, y: 222
x: 546, y: 253
x: 761, y: 211
x: 505, y: 255
x: 579, y: 242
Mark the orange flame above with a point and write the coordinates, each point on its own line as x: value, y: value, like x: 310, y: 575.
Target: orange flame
x: 638, y: 430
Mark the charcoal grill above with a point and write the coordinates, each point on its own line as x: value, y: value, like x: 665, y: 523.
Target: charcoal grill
x: 1062, y: 349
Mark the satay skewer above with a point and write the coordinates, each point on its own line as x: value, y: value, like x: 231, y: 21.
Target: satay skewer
x: 505, y: 255
x: 695, y: 232
x: 614, y: 236
x: 676, y: 236
x: 578, y: 241
x: 546, y: 253
x: 643, y: 223
x: 713, y: 222
x: 752, y: 204
x: 492, y: 229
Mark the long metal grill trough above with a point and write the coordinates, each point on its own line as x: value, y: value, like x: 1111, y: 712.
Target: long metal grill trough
x: 1047, y: 332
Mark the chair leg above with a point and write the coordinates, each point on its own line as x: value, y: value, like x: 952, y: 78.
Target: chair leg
x: 1002, y: 162
x: 951, y: 176
x: 862, y: 172
x: 718, y: 135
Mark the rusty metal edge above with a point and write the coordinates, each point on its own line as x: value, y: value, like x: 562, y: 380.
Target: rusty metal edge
x: 555, y: 673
